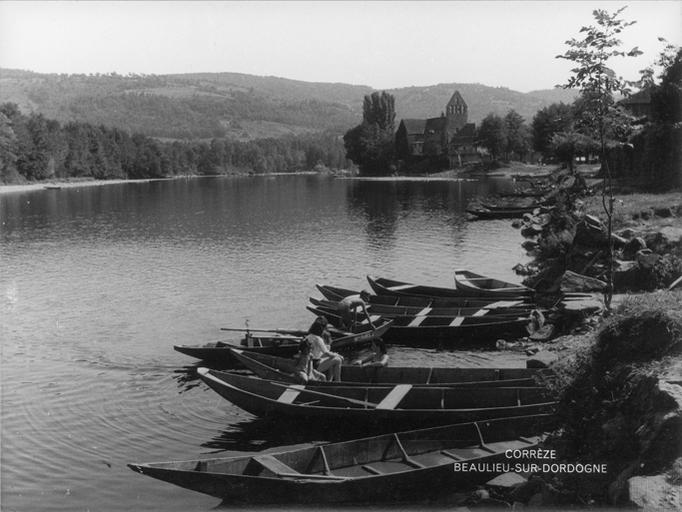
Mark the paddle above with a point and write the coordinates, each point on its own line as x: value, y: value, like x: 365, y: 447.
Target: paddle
x: 277, y: 331
x: 320, y: 393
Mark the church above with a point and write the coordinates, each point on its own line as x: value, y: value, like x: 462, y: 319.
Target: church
x: 445, y: 141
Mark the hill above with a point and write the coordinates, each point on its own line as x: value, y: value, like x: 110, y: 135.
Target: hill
x: 238, y: 106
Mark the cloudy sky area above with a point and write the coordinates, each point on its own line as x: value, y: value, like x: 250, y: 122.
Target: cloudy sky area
x: 381, y: 44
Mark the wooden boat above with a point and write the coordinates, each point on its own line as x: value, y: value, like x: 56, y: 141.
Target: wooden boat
x: 511, y: 205
x: 219, y: 353
x: 444, y: 332
x: 392, y: 467
x: 423, y: 301
x: 510, y: 213
x: 477, y: 284
x: 391, y: 311
x: 281, y: 369
x: 335, y: 292
x: 525, y: 193
x: 376, y: 408
x: 383, y: 286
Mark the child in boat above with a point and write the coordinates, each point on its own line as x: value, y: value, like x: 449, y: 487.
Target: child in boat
x: 377, y: 357
x: 303, y: 368
x: 324, y: 360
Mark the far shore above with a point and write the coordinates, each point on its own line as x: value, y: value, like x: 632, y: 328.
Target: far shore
x: 512, y: 170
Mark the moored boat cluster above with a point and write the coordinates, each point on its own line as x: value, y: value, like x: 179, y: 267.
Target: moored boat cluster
x: 464, y: 417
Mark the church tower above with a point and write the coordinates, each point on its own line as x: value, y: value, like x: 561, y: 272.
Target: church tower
x: 456, y: 112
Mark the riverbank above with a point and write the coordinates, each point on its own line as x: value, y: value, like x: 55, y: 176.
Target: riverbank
x: 618, y: 373
x: 620, y: 406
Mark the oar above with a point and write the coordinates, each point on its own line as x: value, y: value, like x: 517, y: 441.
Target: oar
x: 277, y: 331
x: 320, y: 393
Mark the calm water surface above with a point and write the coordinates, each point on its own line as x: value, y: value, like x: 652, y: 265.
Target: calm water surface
x: 98, y: 283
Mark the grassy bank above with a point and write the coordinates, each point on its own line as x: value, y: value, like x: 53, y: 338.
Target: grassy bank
x: 619, y: 405
x: 640, y: 208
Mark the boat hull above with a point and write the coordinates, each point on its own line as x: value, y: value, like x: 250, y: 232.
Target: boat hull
x: 220, y: 353
x: 382, y: 286
x: 330, y: 293
x: 445, y: 332
x: 414, y: 465
x: 281, y: 369
x: 338, y: 412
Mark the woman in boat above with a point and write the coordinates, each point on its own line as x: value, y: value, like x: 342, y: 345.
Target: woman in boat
x: 376, y: 358
x: 324, y: 360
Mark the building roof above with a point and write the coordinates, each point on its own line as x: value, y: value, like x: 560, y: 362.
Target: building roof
x: 468, y: 130
x: 414, y: 126
x: 456, y: 98
x: 436, y: 124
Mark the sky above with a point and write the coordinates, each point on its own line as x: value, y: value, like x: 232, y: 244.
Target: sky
x: 381, y: 44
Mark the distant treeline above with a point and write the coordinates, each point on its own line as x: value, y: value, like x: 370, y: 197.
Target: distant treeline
x: 37, y: 148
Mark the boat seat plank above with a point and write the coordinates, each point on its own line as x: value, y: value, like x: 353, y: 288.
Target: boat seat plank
x: 526, y: 440
x: 275, y: 465
x: 311, y: 476
x: 504, y: 304
x: 290, y: 394
x: 457, y: 321
x: 451, y: 455
x: 416, y: 321
x: 399, y: 287
x: 394, y: 397
x: 413, y: 463
x: 371, y: 469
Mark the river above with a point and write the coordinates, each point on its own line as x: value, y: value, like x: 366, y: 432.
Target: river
x: 98, y: 283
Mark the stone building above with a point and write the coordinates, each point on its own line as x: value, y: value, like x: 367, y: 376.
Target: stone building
x: 447, y: 140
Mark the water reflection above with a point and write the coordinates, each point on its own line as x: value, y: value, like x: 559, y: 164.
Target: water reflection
x: 99, y: 283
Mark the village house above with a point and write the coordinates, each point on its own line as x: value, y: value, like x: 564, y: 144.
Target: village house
x: 447, y: 140
x: 639, y: 104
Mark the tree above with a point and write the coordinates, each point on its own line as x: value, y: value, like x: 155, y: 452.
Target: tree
x: 492, y: 135
x: 518, y: 135
x: 370, y: 144
x: 566, y: 146
x: 8, y: 150
x: 598, y: 83
x: 555, y: 118
x: 666, y: 98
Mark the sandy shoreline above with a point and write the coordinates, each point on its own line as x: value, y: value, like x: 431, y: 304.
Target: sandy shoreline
x: 29, y: 187
x: 56, y: 184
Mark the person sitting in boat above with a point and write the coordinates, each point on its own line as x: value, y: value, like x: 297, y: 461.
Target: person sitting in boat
x: 348, y: 309
x: 377, y: 357
x: 303, y: 367
x: 324, y: 360
x: 537, y: 321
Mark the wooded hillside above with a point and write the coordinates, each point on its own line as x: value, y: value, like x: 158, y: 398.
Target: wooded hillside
x: 238, y: 106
